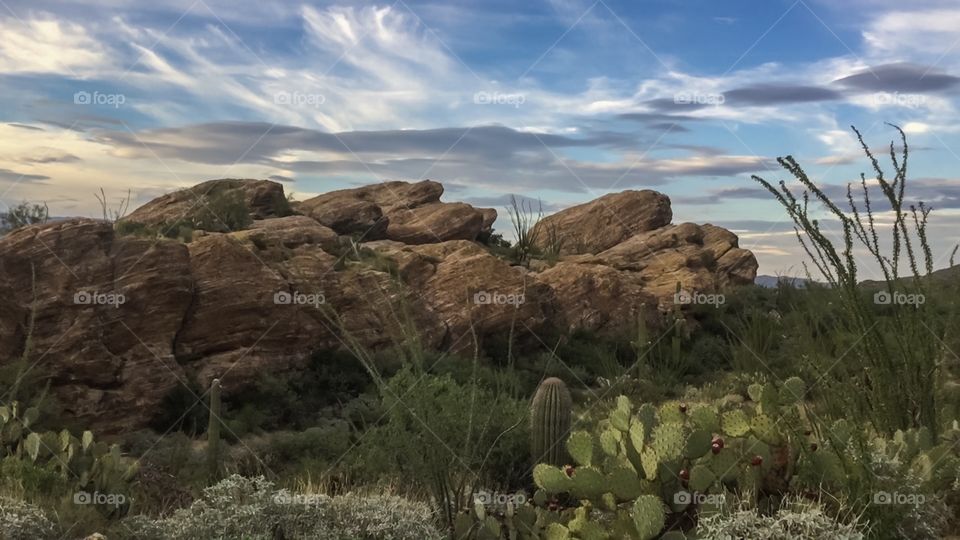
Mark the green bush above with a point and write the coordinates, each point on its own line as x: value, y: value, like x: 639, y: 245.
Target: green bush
x: 22, y: 215
x: 224, y: 212
x: 447, y: 438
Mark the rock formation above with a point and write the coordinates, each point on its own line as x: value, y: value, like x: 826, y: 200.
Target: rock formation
x: 122, y: 320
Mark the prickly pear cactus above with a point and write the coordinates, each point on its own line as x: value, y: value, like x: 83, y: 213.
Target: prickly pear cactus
x: 89, y: 465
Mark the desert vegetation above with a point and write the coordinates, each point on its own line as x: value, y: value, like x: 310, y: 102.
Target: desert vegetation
x: 822, y: 411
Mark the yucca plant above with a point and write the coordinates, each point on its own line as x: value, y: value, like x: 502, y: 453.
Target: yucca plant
x: 524, y: 221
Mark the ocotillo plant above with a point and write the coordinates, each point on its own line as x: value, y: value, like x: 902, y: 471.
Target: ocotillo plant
x: 550, y: 422
x: 213, y: 430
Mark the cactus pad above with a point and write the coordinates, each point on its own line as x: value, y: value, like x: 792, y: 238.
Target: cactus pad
x: 648, y: 516
x: 735, y: 423
x: 551, y: 478
x: 580, y: 447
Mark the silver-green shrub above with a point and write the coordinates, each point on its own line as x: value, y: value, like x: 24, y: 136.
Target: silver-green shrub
x: 23, y: 521
x: 250, y: 508
x: 809, y: 523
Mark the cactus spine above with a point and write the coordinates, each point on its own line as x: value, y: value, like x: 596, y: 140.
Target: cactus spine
x: 550, y: 422
x: 213, y: 430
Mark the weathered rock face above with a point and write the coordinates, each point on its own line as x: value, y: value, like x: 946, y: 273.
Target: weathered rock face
x: 699, y: 258
x: 406, y: 212
x: 597, y: 298
x: 263, y: 199
x: 242, y: 304
x: 605, y: 222
x: 468, y: 287
x: 106, y: 312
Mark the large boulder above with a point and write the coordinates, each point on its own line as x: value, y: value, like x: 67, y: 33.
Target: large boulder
x: 435, y: 222
x: 698, y: 258
x: 604, y: 222
x: 345, y: 213
x: 402, y: 211
x: 106, y: 313
x: 199, y: 204
x: 597, y: 298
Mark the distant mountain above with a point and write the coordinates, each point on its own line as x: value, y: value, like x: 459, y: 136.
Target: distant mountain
x: 951, y: 273
x: 944, y: 274
x: 771, y: 282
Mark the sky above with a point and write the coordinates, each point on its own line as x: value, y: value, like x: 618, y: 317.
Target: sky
x: 557, y: 100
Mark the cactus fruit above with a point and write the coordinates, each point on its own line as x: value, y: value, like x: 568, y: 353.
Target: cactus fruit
x: 550, y: 422
x: 213, y: 430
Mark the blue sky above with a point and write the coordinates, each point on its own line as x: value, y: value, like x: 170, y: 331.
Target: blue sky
x: 559, y: 100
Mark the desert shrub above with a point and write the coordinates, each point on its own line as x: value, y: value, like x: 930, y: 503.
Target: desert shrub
x: 380, y: 517
x: 23, y: 521
x: 906, y: 487
x: 223, y: 212
x: 524, y: 220
x: 291, y: 453
x: 447, y: 438
x: 22, y: 215
x: 892, y: 371
x: 251, y: 508
x: 134, y: 228
x: 296, y: 400
x: 805, y: 523
x: 180, y: 411
x: 30, y: 481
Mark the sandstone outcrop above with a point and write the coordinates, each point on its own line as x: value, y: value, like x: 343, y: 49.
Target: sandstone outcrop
x: 261, y: 198
x: 121, y: 321
x: 605, y: 222
x: 405, y: 212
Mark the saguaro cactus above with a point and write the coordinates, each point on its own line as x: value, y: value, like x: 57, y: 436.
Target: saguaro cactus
x: 213, y: 430
x: 550, y: 422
